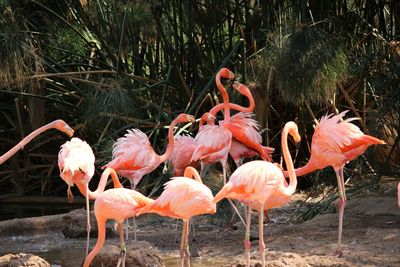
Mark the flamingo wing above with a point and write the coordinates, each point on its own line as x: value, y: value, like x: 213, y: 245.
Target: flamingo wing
x: 182, y: 198
x: 182, y: 153
x: 76, y: 161
x: 211, y: 139
x: 133, y: 153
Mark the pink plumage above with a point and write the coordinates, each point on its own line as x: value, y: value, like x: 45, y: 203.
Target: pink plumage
x: 76, y: 162
x: 182, y: 153
x: 133, y: 156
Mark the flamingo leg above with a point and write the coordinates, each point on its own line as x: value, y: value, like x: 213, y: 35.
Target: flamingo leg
x: 247, y: 243
x: 342, y: 204
x: 182, y: 247
x: 229, y: 200
x: 176, y: 231
x: 122, y: 255
x: 88, y: 228
x: 133, y: 187
x: 187, y: 252
x: 261, y: 234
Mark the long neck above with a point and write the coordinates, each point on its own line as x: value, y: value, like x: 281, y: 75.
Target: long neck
x: 102, y: 184
x: 171, y: 142
x: 191, y: 172
x: 309, y: 167
x: 225, y: 97
x: 291, y: 188
x: 25, y: 141
x: 101, y: 226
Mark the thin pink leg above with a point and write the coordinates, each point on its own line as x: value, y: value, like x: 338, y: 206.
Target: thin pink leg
x: 261, y: 233
x: 87, y: 220
x: 182, y: 247
x: 122, y: 256
x: 247, y: 243
x: 342, y: 204
x: 187, y: 252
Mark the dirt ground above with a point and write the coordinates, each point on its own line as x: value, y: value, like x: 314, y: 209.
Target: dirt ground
x: 371, y: 236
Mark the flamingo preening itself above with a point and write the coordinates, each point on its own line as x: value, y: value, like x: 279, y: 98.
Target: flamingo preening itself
x: 57, y: 124
x: 334, y: 143
x: 258, y: 182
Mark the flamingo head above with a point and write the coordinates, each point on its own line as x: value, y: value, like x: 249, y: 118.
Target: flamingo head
x: 293, y: 131
x: 208, y: 118
x: 63, y: 127
x: 241, y: 88
x: 185, y: 118
x: 226, y: 73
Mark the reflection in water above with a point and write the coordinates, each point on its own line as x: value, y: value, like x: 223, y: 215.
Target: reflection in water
x: 60, y: 251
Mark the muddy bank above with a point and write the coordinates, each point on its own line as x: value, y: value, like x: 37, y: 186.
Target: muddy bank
x: 370, y: 238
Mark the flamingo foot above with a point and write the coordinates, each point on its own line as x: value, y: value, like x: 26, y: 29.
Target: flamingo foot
x: 338, y: 253
x: 70, y: 195
x: 121, y: 258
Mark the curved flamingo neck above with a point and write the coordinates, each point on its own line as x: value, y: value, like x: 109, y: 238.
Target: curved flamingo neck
x: 225, y: 96
x: 171, y: 141
x: 101, y: 226
x: 26, y: 140
x: 102, y: 184
x: 191, y: 172
x: 291, y: 188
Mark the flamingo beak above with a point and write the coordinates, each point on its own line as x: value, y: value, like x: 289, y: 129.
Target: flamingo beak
x: 70, y: 195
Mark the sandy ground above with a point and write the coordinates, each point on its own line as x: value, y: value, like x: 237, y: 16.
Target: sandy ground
x: 371, y: 236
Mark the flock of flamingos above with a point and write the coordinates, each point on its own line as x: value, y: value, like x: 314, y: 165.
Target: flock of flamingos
x: 259, y: 184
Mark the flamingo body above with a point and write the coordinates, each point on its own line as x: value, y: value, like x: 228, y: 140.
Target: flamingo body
x: 76, y: 162
x: 212, y: 144
x: 182, y: 153
x: 118, y: 204
x: 133, y: 155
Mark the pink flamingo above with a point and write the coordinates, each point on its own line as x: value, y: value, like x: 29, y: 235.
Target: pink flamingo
x: 76, y: 164
x: 245, y: 128
x: 133, y: 155
x: 117, y: 204
x: 182, y: 153
x: 334, y: 143
x: 183, y: 198
x: 57, y: 124
x: 258, y: 182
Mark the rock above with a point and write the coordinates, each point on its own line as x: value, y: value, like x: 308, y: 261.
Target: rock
x: 138, y: 254
x: 22, y: 260
x: 74, y: 225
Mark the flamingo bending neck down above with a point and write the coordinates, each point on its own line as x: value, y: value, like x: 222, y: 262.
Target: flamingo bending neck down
x: 133, y: 155
x: 118, y: 204
x: 259, y: 182
x: 334, y: 143
x: 183, y: 198
x: 76, y: 165
x: 57, y: 124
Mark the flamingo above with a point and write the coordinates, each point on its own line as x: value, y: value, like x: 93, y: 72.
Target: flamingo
x: 183, y: 198
x: 76, y: 164
x: 117, y: 204
x: 57, y: 124
x: 334, y: 143
x: 258, y: 182
x: 133, y: 155
x: 181, y: 154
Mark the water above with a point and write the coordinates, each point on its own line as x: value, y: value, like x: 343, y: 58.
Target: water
x: 59, y: 251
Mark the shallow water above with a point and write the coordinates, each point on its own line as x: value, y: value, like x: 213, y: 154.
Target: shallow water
x: 59, y: 251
